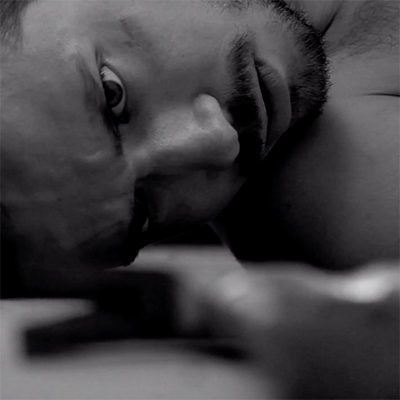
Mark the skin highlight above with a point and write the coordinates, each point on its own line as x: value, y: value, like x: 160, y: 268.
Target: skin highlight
x: 71, y: 169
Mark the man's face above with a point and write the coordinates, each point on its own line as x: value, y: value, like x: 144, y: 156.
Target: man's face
x: 115, y: 113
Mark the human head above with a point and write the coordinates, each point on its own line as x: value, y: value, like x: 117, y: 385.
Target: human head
x: 116, y: 110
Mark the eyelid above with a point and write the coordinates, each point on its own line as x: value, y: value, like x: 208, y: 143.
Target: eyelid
x: 108, y: 75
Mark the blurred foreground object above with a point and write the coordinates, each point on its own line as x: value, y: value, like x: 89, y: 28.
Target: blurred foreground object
x: 311, y: 334
x: 303, y: 333
x: 317, y: 335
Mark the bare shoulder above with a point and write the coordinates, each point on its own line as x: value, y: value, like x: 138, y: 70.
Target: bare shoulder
x: 364, y: 49
x: 369, y: 26
x: 353, y: 27
x: 329, y: 193
x: 362, y: 41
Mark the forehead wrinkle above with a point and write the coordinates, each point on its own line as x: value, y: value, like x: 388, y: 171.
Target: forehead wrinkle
x: 92, y: 97
x: 236, y: 7
x: 134, y: 34
x: 232, y: 6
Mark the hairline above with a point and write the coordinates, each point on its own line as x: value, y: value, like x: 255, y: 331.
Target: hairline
x: 306, y: 98
x: 11, y: 16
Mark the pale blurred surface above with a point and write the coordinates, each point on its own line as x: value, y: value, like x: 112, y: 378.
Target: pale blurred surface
x: 123, y: 369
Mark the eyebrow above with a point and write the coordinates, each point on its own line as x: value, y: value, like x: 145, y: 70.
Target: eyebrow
x: 94, y: 99
x: 242, y: 104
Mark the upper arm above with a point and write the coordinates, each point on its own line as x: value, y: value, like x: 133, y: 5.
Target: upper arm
x: 328, y: 196
x: 337, y: 192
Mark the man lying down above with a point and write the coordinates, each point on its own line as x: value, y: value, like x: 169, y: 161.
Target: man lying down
x: 126, y: 122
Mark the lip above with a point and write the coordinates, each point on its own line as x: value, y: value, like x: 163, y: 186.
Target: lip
x: 257, y: 140
x: 276, y: 96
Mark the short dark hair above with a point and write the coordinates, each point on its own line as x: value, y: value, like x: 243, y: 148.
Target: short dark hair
x: 309, y: 85
x: 11, y: 12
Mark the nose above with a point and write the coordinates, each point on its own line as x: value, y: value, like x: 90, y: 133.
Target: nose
x: 192, y: 137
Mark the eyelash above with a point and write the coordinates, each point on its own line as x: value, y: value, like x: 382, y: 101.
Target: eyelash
x: 112, y: 124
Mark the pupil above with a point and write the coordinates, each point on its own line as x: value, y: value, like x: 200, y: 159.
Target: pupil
x: 113, y: 93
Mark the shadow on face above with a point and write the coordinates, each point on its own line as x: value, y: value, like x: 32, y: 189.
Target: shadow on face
x: 124, y: 123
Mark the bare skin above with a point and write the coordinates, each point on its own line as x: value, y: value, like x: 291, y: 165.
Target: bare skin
x: 329, y: 196
x: 80, y: 176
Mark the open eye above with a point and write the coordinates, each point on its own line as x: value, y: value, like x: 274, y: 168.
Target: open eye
x: 114, y: 91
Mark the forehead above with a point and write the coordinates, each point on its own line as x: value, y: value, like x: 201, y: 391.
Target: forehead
x: 155, y: 27
x: 162, y: 37
x: 169, y: 39
x: 168, y: 47
x: 165, y: 50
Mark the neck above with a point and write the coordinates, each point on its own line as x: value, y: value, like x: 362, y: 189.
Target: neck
x: 320, y: 12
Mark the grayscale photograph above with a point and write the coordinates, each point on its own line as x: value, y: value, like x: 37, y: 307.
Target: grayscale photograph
x: 200, y: 199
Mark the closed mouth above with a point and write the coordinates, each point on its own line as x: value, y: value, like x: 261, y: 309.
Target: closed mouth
x: 252, y: 145
x: 276, y: 96
x: 258, y: 138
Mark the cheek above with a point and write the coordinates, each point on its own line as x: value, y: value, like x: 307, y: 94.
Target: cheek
x: 194, y: 200
x: 69, y: 206
x: 69, y: 225
x: 97, y: 204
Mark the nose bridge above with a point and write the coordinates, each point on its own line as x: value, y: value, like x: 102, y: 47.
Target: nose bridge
x: 194, y: 136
